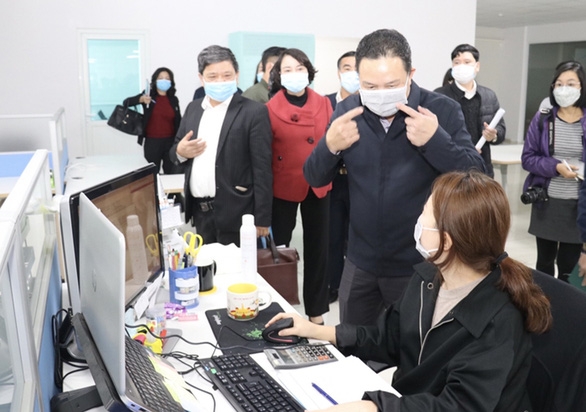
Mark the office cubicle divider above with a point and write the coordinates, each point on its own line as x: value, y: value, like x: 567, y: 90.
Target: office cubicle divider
x: 34, y: 278
x: 29, y: 132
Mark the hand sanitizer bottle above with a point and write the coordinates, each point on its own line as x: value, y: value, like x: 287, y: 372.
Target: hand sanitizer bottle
x: 248, y: 249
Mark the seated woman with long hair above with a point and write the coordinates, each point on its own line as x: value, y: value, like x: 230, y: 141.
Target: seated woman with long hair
x: 460, y: 334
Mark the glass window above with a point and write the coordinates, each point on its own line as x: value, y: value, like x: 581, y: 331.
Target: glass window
x: 114, y: 74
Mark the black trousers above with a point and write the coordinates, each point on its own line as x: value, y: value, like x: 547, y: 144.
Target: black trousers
x: 157, y: 151
x: 339, y: 220
x: 364, y: 295
x: 205, y: 225
x: 550, y: 253
x: 315, y: 219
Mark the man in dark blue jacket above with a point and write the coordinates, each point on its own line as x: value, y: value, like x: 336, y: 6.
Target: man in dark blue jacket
x: 393, y: 149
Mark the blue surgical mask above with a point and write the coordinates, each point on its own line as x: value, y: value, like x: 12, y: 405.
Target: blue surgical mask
x: 419, y: 228
x: 163, y: 84
x: 295, y: 82
x: 349, y: 81
x: 220, y: 91
x: 259, y: 76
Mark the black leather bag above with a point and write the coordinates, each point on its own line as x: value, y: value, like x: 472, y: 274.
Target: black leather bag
x: 126, y: 120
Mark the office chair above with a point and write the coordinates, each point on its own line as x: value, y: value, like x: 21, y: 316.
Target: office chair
x: 558, y: 371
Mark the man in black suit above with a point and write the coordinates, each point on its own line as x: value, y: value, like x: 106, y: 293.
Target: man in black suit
x: 226, y: 141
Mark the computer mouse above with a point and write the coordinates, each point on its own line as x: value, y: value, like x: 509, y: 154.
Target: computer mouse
x: 271, y: 333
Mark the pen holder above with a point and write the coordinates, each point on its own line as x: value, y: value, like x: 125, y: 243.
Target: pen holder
x: 184, y: 286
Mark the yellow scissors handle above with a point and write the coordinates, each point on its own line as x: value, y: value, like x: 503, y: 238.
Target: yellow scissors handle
x: 192, y: 239
x: 153, y: 244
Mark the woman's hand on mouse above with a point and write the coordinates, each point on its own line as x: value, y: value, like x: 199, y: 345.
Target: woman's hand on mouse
x: 305, y: 328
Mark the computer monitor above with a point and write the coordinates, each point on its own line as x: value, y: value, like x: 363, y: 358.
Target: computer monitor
x: 132, y: 194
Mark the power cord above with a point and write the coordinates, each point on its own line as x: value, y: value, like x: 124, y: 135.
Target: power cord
x: 60, y: 331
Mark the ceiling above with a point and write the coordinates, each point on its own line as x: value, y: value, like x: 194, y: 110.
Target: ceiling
x: 514, y: 13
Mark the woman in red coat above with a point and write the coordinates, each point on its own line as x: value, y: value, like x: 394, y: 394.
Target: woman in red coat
x: 299, y: 118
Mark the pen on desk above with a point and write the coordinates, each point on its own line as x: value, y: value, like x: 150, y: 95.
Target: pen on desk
x: 324, y: 393
x: 569, y: 168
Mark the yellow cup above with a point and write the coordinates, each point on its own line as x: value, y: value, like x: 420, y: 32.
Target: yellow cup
x: 244, y: 302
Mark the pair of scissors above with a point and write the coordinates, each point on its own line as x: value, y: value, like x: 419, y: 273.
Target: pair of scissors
x: 152, y: 242
x: 191, y: 239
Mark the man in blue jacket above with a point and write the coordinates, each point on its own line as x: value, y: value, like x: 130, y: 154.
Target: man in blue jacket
x: 393, y: 148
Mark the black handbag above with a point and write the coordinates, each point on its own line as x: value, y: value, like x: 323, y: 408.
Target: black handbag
x: 126, y: 120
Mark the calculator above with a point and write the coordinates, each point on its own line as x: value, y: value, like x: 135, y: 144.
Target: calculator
x: 299, y: 356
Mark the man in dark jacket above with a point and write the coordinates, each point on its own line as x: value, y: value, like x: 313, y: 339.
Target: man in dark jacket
x: 226, y: 141
x: 479, y: 103
x: 393, y: 152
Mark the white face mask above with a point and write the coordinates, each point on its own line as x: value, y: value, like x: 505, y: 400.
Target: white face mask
x: 464, y: 73
x: 566, y: 96
x: 295, y: 81
x: 384, y: 102
x: 349, y: 81
x: 419, y: 228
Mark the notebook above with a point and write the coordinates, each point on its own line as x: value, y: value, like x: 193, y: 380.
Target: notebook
x: 102, y: 278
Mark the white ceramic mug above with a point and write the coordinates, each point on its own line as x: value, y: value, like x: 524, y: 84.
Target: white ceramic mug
x: 245, y: 300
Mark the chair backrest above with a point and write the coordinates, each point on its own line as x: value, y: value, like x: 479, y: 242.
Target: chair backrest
x: 557, y: 379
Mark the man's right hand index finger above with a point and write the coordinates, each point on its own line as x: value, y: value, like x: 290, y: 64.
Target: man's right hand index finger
x: 351, y: 114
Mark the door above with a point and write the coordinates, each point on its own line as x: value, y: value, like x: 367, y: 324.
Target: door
x: 113, y: 67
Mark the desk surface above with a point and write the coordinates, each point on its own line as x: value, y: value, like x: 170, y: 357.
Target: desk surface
x: 195, y: 331
x: 173, y: 183
x: 85, y: 172
x: 200, y: 331
x: 506, y: 154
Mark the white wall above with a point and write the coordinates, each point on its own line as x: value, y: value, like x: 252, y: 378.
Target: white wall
x: 40, y: 57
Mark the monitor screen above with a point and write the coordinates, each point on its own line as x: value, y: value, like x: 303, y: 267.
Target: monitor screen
x: 130, y: 203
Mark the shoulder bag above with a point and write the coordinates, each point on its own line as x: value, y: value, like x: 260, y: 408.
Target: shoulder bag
x: 126, y: 120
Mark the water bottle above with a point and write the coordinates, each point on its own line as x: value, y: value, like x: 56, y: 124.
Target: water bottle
x: 248, y: 248
x: 136, y: 249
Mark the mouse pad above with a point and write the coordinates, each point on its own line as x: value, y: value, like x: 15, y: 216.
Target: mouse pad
x: 245, y: 335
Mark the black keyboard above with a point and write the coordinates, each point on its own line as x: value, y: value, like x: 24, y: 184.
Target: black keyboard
x: 150, y: 387
x: 247, y: 386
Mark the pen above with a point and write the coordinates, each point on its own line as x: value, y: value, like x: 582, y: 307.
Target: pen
x: 569, y: 168
x: 324, y: 394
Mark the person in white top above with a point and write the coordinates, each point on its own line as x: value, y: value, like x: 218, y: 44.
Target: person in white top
x: 226, y: 141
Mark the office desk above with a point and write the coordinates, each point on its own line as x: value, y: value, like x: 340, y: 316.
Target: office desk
x: 173, y: 183
x: 504, y: 155
x: 85, y: 172
x: 195, y: 331
x: 200, y: 331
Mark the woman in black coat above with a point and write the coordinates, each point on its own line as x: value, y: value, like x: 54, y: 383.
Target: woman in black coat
x: 460, y: 334
x: 161, y: 118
